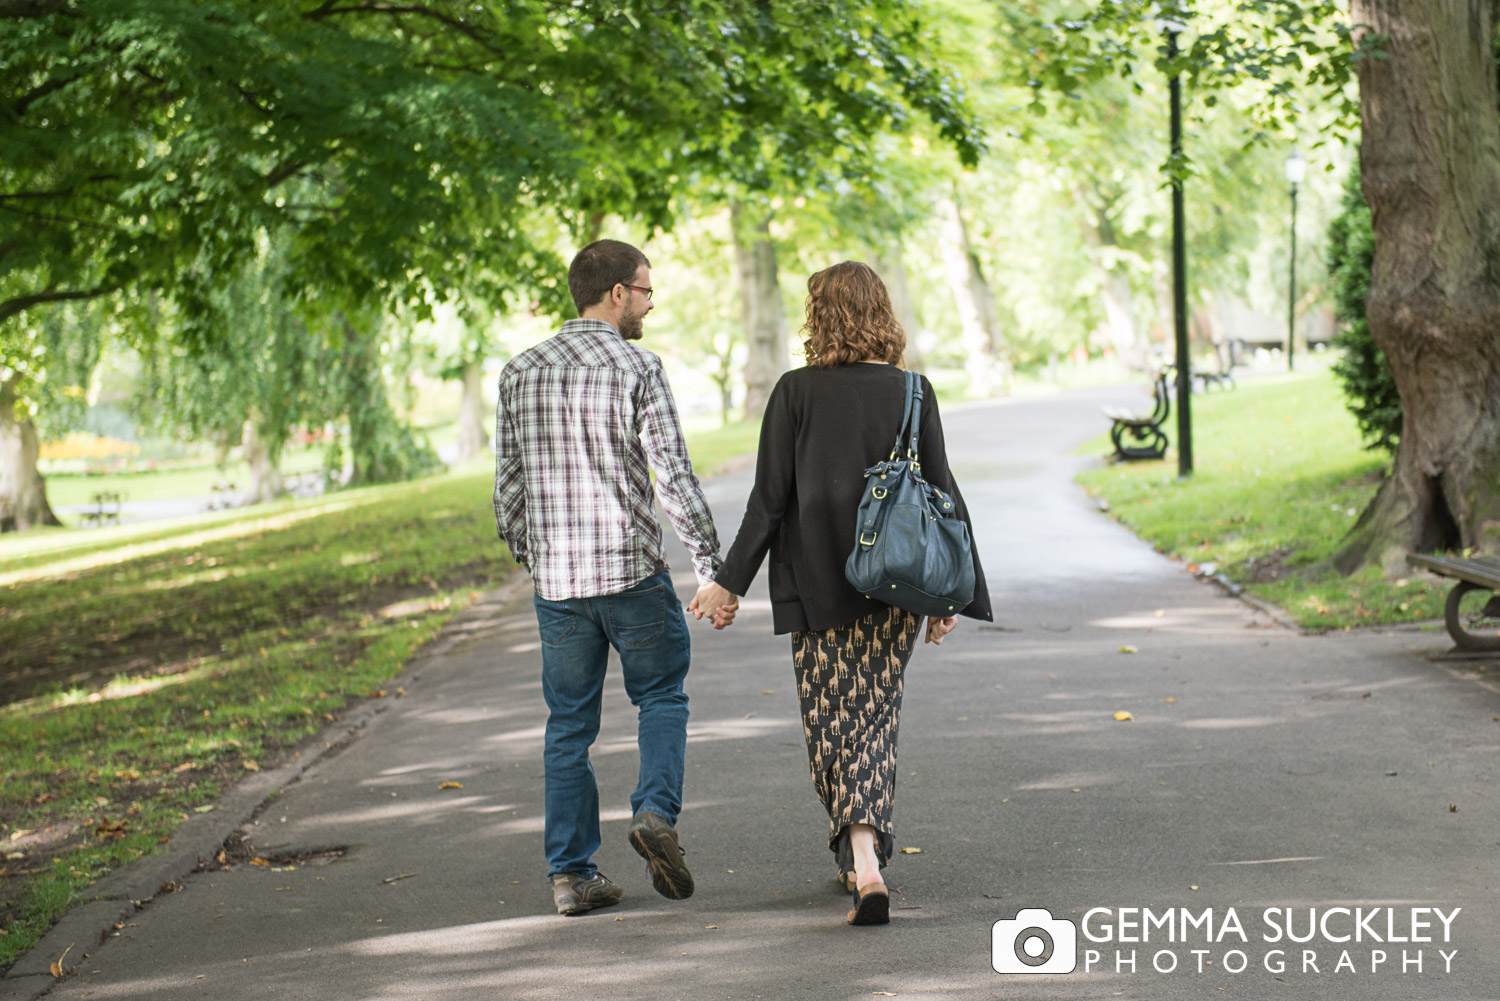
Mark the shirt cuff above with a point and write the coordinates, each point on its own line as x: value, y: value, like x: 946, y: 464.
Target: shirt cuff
x: 707, y: 569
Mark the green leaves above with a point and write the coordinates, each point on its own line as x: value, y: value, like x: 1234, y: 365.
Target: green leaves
x: 398, y: 151
x: 1369, y: 387
x: 1275, y: 45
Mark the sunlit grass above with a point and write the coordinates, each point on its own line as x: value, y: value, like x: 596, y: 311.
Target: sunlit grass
x: 67, y: 489
x: 235, y: 635
x: 1280, y: 477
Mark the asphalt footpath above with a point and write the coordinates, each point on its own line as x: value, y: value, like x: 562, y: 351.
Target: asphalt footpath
x: 1187, y: 799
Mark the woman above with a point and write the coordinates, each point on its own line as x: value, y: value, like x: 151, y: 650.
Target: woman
x: 824, y: 426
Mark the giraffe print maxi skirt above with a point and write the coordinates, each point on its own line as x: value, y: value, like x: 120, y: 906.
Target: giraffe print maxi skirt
x: 849, y: 683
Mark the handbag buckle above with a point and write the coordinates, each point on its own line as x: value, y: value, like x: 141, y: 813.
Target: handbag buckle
x: 879, y: 493
x: 867, y: 542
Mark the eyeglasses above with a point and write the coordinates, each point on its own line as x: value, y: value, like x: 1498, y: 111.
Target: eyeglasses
x: 639, y: 288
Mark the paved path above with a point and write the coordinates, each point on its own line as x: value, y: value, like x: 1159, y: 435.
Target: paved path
x: 1261, y: 769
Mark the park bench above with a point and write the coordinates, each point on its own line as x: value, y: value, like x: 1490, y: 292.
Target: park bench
x: 1229, y: 354
x: 1479, y: 573
x: 308, y: 484
x: 106, y: 507
x: 222, y: 496
x: 1146, y: 440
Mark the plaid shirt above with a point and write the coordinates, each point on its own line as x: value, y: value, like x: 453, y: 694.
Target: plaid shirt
x: 578, y: 416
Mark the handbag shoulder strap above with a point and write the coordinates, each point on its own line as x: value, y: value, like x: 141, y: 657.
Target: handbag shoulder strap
x: 912, y: 388
x: 911, y: 424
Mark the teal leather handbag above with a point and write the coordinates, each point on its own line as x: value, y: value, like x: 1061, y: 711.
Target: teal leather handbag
x: 911, y: 549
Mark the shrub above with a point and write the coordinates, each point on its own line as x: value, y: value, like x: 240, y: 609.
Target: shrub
x: 1369, y: 388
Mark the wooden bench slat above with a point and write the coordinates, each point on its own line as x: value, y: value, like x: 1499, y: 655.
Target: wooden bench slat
x: 1481, y: 570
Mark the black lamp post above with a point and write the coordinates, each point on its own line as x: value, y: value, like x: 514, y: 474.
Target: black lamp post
x: 1296, y: 170
x: 1179, y: 271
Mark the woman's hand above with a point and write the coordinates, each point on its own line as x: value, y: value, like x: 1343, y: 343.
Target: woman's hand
x: 938, y: 627
x: 715, y: 602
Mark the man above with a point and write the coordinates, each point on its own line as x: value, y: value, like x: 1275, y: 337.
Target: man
x: 579, y: 417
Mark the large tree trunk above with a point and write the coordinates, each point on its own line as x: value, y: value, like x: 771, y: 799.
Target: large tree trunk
x: 265, y: 479
x: 1118, y: 299
x: 1116, y: 295
x: 975, y: 302
x: 23, y: 491
x: 891, y: 265
x: 760, y: 295
x: 1430, y: 168
x: 473, y: 434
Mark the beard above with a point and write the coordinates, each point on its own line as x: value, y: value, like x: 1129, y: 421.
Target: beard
x: 630, y: 326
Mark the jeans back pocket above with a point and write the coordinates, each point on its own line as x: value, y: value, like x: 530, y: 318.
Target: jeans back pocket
x: 638, y: 618
x: 555, y: 621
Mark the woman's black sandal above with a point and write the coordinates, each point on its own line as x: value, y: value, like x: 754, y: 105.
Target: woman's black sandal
x: 872, y: 906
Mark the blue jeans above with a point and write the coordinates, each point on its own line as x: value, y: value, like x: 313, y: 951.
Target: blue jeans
x: 645, y: 623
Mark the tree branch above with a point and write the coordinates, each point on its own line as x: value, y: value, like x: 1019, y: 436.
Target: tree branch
x: 284, y: 172
x: 11, y: 196
x: 21, y: 303
x: 33, y: 8
x: 468, y: 30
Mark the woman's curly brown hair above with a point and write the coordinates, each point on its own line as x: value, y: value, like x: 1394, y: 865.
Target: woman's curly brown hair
x: 849, y: 318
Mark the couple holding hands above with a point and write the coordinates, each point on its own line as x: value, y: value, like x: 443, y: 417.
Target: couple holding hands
x: 582, y: 420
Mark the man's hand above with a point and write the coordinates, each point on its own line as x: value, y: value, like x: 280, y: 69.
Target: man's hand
x: 715, y: 602
x: 938, y: 627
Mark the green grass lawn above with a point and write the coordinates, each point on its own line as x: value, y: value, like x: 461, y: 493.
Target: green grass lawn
x: 65, y: 489
x: 1280, y: 476
x: 144, y: 668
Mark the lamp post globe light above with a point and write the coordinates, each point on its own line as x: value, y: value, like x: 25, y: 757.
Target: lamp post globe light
x: 1296, y: 170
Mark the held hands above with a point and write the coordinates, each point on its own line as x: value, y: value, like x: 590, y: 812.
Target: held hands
x: 937, y: 628
x: 715, y: 602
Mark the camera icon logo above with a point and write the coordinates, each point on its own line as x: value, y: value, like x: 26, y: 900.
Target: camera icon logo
x: 1034, y: 942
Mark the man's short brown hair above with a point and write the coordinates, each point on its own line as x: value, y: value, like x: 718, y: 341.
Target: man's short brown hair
x: 601, y: 266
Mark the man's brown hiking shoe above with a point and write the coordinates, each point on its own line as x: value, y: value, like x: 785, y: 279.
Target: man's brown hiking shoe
x: 655, y: 840
x: 575, y: 895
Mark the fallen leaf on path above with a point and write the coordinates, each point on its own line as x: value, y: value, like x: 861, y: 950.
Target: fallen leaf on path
x: 1128, y: 649
x: 378, y: 694
x: 129, y: 775
x: 710, y: 927
x: 1194, y: 887
x: 204, y: 809
x: 883, y: 994
x: 451, y: 785
x: 911, y: 851
x: 1121, y: 715
x: 1169, y: 698
x: 260, y: 861
x: 108, y: 831
x: 56, y: 966
x: 249, y: 765
x: 404, y: 875
x: 20, y: 833
x: 1160, y: 613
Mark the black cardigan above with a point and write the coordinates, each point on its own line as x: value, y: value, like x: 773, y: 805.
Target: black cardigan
x: 823, y: 428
